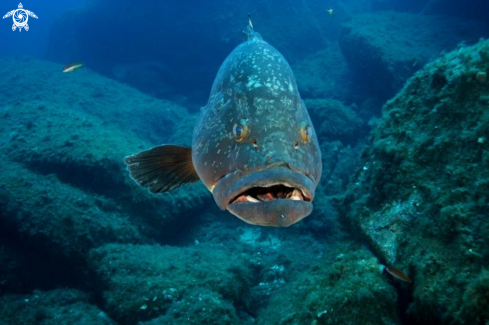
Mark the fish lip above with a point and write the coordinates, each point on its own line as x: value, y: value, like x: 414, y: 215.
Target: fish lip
x: 305, y: 197
x: 275, y: 213
x: 233, y: 185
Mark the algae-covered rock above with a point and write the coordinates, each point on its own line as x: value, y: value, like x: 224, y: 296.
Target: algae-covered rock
x: 59, y: 219
x: 67, y: 187
x: 476, y: 299
x: 337, y: 121
x: 386, y: 48
x: 421, y: 198
x: 198, y: 306
x: 142, y: 282
x: 42, y: 86
x: 56, y: 307
x: 324, y: 74
x: 346, y: 287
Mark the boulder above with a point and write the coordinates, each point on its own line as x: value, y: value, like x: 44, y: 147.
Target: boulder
x: 67, y: 188
x: 334, y: 121
x: 421, y: 198
x: 384, y: 49
x: 141, y: 282
x: 345, y: 287
x: 324, y: 74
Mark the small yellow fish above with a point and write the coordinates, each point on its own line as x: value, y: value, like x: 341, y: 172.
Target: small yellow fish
x: 330, y: 12
x: 398, y: 274
x: 72, y: 66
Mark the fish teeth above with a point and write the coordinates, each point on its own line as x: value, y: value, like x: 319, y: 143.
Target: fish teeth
x: 251, y: 199
x: 296, y: 195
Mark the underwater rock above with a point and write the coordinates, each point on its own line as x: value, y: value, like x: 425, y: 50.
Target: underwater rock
x: 421, y: 198
x: 386, y: 229
x: 196, y: 307
x: 346, y: 287
x: 141, y: 282
x: 61, y: 306
x: 58, y: 219
x: 385, y: 48
x: 68, y: 189
x: 41, y: 88
x: 338, y: 121
x: 324, y: 74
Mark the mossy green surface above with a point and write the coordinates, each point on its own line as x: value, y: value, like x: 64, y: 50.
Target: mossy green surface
x: 335, y: 121
x: 199, y: 306
x: 64, y: 159
x: 324, y: 74
x: 424, y: 183
x: 346, y: 287
x: 143, y: 282
x: 57, y: 218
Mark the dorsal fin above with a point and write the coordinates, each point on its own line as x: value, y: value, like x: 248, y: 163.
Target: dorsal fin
x: 162, y: 168
x: 249, y: 34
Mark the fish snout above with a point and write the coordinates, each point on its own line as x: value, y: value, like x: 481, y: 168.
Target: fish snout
x: 276, y: 196
x: 271, y: 162
x: 276, y: 213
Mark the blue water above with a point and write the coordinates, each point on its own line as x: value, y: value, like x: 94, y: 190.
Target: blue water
x: 34, y: 42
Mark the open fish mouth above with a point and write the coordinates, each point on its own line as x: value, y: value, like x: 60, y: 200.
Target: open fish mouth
x: 277, y: 196
x: 270, y: 193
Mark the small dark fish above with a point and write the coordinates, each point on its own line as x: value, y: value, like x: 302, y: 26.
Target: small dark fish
x: 254, y: 146
x: 398, y: 274
x: 72, y: 66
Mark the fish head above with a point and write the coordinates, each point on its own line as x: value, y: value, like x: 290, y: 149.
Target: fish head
x: 254, y: 145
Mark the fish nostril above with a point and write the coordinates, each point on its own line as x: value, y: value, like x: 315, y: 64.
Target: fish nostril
x: 269, y: 158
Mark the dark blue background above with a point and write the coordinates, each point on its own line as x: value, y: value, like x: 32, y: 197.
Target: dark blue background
x: 32, y: 42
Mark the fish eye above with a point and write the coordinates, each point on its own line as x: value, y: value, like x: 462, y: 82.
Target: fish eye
x: 240, y: 130
x: 306, y: 133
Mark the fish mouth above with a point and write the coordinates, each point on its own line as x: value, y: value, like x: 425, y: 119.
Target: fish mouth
x: 270, y: 193
x: 276, y: 196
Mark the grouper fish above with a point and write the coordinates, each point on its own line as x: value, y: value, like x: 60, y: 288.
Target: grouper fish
x: 254, y: 145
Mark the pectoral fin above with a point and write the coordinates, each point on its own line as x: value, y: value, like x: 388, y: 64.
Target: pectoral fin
x: 162, y: 168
